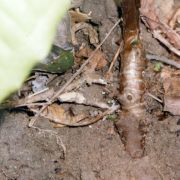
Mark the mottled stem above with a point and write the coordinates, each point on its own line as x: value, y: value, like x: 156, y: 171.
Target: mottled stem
x: 131, y: 80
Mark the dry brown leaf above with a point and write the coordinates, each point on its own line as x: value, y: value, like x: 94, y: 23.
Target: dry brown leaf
x: 84, y: 52
x: 148, y: 10
x: 157, y: 10
x: 57, y: 114
x: 156, y: 15
x: 98, y: 61
x: 88, y: 30
x: 89, y: 75
x: 77, y: 16
x: 172, y: 36
x: 175, y: 19
x: 79, y: 23
x: 171, y: 84
x: 164, y: 9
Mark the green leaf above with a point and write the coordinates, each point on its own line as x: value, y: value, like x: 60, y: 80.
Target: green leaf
x: 61, y: 64
x: 135, y: 42
x: 158, y: 66
x: 111, y: 117
x: 26, y: 33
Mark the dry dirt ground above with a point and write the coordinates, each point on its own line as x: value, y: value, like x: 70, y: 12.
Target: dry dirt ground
x: 94, y: 152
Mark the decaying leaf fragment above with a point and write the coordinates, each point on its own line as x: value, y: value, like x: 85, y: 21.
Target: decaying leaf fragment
x: 57, y: 114
x: 98, y: 61
x: 159, y: 17
x: 88, y: 30
x: 79, y: 22
x: 171, y: 84
x: 63, y: 62
x: 77, y: 16
x: 89, y: 74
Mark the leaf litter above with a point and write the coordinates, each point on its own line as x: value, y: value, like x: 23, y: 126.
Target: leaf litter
x: 161, y: 96
x: 157, y: 20
x: 60, y: 61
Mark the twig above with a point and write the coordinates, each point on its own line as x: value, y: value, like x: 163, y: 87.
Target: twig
x: 73, y: 77
x: 30, y: 104
x: 39, y: 92
x: 79, y: 98
x: 163, y: 59
x: 154, y: 97
x: 109, y: 72
x: 158, y: 36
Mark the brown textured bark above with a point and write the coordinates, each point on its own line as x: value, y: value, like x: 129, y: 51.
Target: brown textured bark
x: 131, y: 80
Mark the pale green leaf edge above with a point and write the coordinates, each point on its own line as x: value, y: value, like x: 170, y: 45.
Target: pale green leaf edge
x: 23, y: 41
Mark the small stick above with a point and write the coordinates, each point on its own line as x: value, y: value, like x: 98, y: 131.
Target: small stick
x: 37, y: 93
x: 109, y: 72
x: 154, y: 97
x: 31, y: 104
x: 158, y: 36
x: 74, y: 76
x: 163, y: 59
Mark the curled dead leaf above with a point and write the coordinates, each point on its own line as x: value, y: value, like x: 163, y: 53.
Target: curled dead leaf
x: 77, y: 16
x: 79, y: 23
x: 88, y: 30
x: 57, y: 114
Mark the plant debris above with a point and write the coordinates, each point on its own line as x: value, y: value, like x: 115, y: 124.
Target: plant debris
x: 79, y: 23
x: 171, y: 84
x: 108, y: 87
x: 58, y: 61
x: 57, y: 114
x: 156, y: 19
